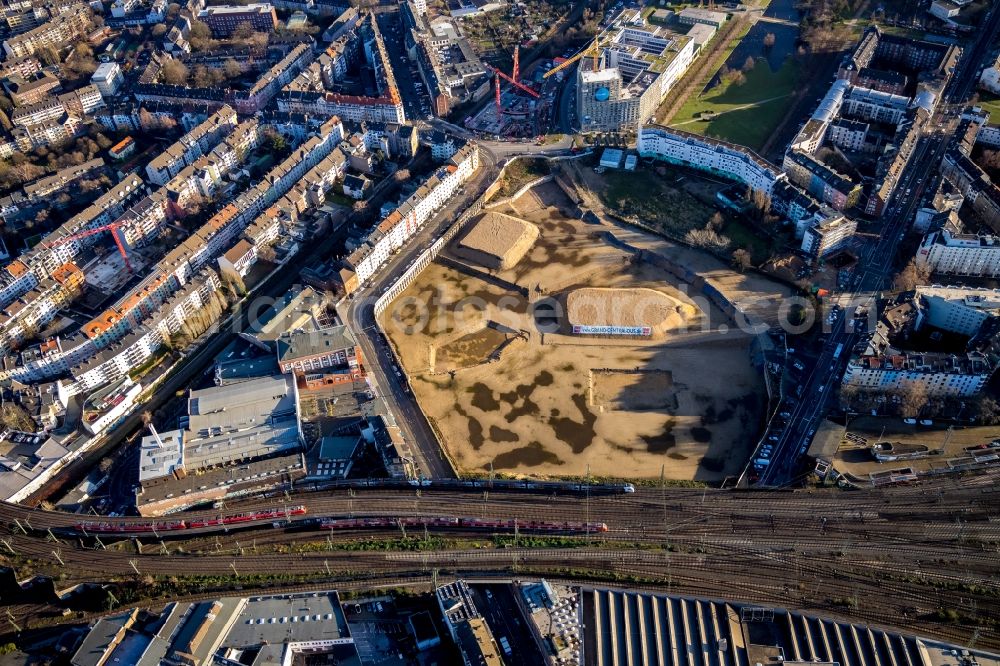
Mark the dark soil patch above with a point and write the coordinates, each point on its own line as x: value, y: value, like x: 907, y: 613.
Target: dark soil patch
x: 522, y: 393
x: 532, y: 455
x: 482, y: 397
x: 503, y: 435
x: 529, y: 408
x: 475, y: 429
x: 579, y: 436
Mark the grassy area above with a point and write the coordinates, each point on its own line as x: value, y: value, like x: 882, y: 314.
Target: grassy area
x: 521, y: 172
x: 990, y: 104
x: 741, y: 236
x: 338, y: 199
x: 655, y: 201
x: 765, y: 92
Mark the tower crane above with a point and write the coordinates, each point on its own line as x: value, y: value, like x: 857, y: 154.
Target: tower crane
x: 513, y: 80
x: 113, y: 227
x: 594, y: 51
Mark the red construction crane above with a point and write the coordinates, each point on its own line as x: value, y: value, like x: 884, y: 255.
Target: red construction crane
x: 513, y: 80
x: 112, y: 227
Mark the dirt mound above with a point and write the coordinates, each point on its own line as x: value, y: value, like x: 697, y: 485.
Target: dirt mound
x: 652, y: 311
x: 498, y: 241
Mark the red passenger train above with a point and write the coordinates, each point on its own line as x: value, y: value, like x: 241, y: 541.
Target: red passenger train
x: 176, y: 525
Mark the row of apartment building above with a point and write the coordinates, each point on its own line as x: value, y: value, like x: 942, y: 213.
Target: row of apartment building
x: 191, y: 146
x: 244, y: 241
x: 246, y: 102
x: 139, y: 323
x: 360, y: 39
x: 26, y: 272
x: 58, y: 31
x: 821, y: 229
x: 400, y: 225
x: 972, y: 313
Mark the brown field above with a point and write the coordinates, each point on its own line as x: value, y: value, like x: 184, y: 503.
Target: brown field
x: 501, y: 391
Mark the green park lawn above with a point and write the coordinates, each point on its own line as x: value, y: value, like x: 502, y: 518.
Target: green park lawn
x: 765, y: 91
x: 990, y: 104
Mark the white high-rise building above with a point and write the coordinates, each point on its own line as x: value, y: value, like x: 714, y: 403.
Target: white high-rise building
x: 637, y: 66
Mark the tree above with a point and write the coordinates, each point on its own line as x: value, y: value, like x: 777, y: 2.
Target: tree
x: 174, y: 72
x: 716, y: 222
x: 911, y: 276
x: 706, y: 238
x: 913, y: 398
x: 769, y: 40
x: 401, y: 176
x: 47, y: 54
x: 749, y: 64
x: 741, y: 259
x: 201, y: 77
x: 199, y: 30
x: 761, y: 201
x: 267, y: 254
x: 259, y: 40
x: 231, y: 69
x: 159, y: 30
x: 16, y: 417
x: 82, y: 50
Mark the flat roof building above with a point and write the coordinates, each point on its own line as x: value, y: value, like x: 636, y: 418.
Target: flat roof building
x: 225, y: 425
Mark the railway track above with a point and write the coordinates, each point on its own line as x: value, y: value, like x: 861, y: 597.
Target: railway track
x: 866, y: 555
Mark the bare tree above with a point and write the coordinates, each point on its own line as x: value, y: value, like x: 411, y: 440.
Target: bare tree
x: 174, y: 72
x: 913, y: 399
x: 16, y: 417
x: 910, y: 277
x: 741, y: 259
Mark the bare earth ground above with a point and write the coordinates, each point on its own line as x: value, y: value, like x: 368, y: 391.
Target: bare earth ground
x: 499, y: 391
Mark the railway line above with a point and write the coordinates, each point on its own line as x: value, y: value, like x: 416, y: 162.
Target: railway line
x: 875, y: 555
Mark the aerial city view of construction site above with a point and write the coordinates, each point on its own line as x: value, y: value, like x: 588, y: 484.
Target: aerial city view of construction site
x: 548, y: 332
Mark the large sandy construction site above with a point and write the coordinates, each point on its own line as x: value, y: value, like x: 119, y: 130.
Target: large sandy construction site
x: 644, y: 381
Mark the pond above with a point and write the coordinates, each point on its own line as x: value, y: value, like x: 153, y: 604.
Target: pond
x: 786, y: 40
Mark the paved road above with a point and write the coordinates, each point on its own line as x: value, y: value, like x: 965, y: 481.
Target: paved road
x: 876, y: 266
